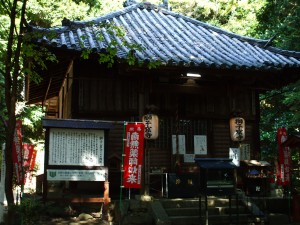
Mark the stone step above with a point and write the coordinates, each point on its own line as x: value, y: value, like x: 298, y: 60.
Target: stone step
x: 211, y: 211
x: 278, y: 219
x: 188, y: 203
x: 180, y: 203
x: 244, y: 219
x: 182, y: 211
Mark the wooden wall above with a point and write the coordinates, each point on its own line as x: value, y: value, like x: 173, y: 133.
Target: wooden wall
x: 65, y: 95
x: 106, y: 95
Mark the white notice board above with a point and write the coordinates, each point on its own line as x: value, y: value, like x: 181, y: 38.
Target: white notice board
x: 80, y: 147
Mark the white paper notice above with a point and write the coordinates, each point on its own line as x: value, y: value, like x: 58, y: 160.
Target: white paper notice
x: 235, y: 155
x: 189, y: 158
x: 181, y: 144
x: 200, y: 145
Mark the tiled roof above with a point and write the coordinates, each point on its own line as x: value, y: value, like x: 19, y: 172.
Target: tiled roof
x: 173, y: 39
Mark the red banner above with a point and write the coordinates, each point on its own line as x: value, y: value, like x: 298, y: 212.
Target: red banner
x: 284, y: 164
x: 28, y: 151
x: 134, y: 151
x: 17, y: 153
x: 32, y: 161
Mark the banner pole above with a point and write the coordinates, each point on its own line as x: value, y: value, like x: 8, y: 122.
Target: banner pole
x: 129, y: 193
x: 122, y: 166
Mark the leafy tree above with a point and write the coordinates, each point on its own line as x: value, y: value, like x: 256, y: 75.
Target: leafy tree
x: 237, y: 16
x: 11, y: 70
x: 280, y: 19
x: 15, y: 46
x: 21, y: 57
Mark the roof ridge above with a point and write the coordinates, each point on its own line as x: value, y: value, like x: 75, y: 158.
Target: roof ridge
x: 257, y: 41
x: 213, y: 46
x: 290, y: 53
x: 142, y: 5
x: 150, y: 6
x: 146, y: 5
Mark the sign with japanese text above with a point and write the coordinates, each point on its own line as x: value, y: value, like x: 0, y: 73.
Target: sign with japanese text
x: 77, y: 175
x: 180, y: 146
x: 33, y: 158
x: 28, y: 150
x: 80, y: 147
x: 151, y: 126
x: 284, y: 165
x: 17, y: 153
x: 134, y: 151
x: 200, y: 145
x: 245, y: 151
x: 237, y: 129
x: 235, y: 155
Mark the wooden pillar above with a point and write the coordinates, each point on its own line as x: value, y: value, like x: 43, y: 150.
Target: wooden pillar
x: 106, y: 193
x: 106, y: 199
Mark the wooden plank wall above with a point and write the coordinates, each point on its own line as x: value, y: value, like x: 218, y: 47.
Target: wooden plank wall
x: 222, y: 141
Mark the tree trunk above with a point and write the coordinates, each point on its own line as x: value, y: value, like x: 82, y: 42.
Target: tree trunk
x: 10, y: 129
x: 9, y: 161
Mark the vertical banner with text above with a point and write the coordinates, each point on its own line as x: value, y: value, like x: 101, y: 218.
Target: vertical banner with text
x: 134, y: 151
x: 28, y: 153
x: 17, y: 153
x: 283, y: 168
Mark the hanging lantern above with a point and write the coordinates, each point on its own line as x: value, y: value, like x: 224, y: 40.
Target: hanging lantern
x: 151, y: 126
x: 237, y: 129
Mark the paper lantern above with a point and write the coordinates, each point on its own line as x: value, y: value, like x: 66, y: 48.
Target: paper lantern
x: 151, y: 126
x: 237, y: 129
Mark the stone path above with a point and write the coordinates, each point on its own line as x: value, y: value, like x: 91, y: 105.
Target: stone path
x: 81, y: 219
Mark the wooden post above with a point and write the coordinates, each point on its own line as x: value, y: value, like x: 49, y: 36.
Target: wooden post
x: 106, y: 193
x: 106, y: 199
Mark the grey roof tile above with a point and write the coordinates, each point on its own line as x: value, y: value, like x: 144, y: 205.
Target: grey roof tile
x: 173, y: 39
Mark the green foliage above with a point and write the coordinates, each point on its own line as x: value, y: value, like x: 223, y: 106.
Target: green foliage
x: 281, y: 19
x: 237, y: 16
x: 30, y: 210
x: 279, y: 108
x: 32, y: 124
x: 46, y: 13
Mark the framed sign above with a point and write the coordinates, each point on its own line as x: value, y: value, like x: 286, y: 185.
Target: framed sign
x: 77, y: 175
x: 80, y: 147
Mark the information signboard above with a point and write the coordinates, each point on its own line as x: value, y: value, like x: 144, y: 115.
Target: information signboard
x: 80, y: 147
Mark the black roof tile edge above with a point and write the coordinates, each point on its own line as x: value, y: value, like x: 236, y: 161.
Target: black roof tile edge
x: 258, y: 42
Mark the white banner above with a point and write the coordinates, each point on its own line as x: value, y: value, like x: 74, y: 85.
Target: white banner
x: 78, y: 147
x: 77, y: 175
